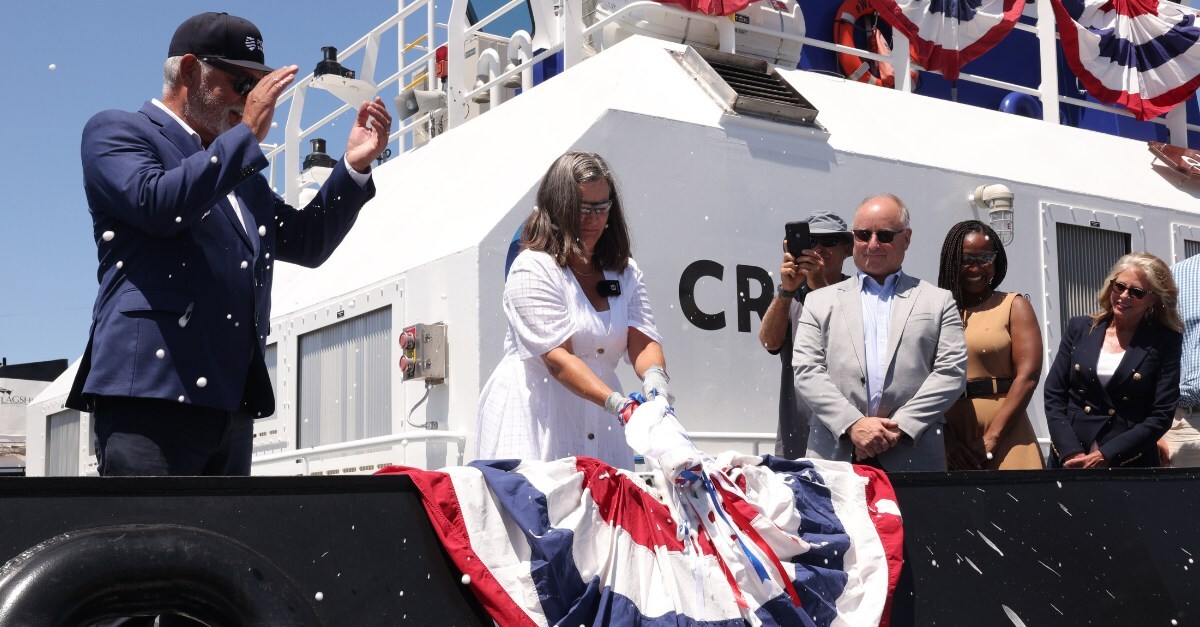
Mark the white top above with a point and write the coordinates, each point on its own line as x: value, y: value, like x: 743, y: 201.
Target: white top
x: 1106, y: 365
x: 524, y: 413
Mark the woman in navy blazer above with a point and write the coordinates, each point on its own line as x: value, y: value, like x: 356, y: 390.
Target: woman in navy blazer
x: 1112, y: 391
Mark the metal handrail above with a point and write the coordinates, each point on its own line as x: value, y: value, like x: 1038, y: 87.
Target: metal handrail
x: 458, y: 438
x: 756, y: 439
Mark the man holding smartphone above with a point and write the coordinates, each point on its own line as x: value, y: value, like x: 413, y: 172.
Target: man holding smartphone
x: 814, y: 268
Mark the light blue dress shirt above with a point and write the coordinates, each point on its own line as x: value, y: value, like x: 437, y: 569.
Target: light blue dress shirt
x: 877, y: 317
x: 1187, y: 277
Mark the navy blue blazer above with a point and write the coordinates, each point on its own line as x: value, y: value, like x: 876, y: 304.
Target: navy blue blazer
x: 1127, y: 416
x: 184, y: 304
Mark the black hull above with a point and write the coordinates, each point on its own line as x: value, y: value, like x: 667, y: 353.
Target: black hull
x: 1054, y: 547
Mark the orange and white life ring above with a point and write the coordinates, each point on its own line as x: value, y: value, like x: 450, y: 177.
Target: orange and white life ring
x: 855, y: 67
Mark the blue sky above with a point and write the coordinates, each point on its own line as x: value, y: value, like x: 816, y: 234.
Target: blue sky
x: 108, y: 55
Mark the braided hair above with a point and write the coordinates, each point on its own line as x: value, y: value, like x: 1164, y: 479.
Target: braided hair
x: 952, y: 257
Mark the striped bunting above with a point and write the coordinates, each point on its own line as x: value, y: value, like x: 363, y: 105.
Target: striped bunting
x: 733, y: 540
x: 948, y: 34
x: 1140, y: 54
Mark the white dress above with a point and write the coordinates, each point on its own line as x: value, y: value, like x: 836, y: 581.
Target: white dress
x: 524, y: 412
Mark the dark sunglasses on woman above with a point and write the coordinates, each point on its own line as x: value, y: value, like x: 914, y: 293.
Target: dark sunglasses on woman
x: 1120, y: 288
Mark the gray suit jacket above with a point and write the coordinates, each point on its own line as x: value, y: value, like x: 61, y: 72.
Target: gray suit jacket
x: 926, y: 361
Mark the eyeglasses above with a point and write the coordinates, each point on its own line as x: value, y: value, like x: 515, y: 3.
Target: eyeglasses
x: 985, y: 259
x: 1120, y: 288
x: 599, y: 208
x: 827, y: 241
x: 242, y: 83
x: 885, y: 237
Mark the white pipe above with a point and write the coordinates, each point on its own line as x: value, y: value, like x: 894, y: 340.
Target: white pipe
x: 520, y: 50
x: 486, y: 70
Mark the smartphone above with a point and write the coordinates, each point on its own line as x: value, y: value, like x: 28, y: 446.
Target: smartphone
x: 797, y: 236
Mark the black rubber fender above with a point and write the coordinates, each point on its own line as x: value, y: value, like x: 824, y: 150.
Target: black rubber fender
x: 83, y: 576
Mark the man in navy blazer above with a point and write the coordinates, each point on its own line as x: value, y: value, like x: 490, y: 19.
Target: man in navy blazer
x: 187, y: 231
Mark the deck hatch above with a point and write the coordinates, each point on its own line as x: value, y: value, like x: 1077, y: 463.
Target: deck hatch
x: 747, y: 86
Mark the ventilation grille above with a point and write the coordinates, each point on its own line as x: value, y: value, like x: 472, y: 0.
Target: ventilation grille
x: 747, y: 86
x: 1085, y: 255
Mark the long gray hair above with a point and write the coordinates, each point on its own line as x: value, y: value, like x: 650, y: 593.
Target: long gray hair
x: 553, y: 227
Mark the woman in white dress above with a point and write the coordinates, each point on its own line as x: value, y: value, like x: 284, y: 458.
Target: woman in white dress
x: 575, y: 303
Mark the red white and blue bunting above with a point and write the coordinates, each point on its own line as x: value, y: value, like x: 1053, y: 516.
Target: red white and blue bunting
x: 1140, y: 54
x: 948, y: 34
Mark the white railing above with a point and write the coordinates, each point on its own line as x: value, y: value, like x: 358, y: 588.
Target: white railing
x: 756, y: 439
x: 369, y: 46
x: 567, y: 34
x: 403, y: 440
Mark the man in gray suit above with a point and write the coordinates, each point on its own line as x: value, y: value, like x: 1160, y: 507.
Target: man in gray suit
x: 881, y: 356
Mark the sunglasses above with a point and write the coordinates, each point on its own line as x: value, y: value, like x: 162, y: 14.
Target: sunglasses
x: 1120, y: 288
x: 599, y: 208
x: 242, y: 83
x: 985, y: 259
x: 884, y: 237
x: 827, y: 241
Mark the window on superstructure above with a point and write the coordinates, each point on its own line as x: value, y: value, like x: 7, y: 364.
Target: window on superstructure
x: 62, y: 444
x: 1085, y: 255
x: 345, y: 381
x: 518, y: 18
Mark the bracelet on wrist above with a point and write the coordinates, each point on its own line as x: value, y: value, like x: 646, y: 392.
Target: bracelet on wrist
x: 789, y: 294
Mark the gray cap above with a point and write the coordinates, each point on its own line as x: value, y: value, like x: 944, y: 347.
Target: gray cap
x: 826, y: 223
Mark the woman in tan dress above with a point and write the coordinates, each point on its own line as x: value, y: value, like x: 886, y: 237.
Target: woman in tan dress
x: 989, y: 428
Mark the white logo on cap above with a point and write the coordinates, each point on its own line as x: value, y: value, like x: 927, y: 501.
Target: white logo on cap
x: 253, y: 44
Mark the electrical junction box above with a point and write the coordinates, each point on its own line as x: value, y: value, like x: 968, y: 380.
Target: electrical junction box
x: 423, y: 352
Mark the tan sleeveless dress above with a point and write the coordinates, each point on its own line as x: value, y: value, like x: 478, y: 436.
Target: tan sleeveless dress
x: 989, y: 354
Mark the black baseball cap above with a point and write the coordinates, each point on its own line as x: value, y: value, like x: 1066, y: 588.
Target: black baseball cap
x: 228, y: 38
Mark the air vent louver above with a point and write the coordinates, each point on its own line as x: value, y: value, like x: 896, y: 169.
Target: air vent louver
x: 747, y: 86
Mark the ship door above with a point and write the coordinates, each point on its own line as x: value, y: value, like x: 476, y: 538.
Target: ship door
x: 1082, y: 244
x: 1185, y: 242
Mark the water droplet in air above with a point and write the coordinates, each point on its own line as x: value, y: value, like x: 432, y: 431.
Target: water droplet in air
x: 53, y: 67
x: 187, y: 315
x: 180, y: 398
x: 160, y: 353
x: 245, y: 264
x: 178, y: 219
x: 320, y: 596
x: 201, y: 382
x: 466, y: 580
x: 108, y: 236
x: 274, y: 124
x: 262, y: 230
x: 120, y: 264
x: 229, y: 316
x: 213, y: 159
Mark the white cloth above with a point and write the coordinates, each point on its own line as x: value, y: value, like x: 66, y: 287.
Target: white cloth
x: 1106, y: 366
x: 524, y: 413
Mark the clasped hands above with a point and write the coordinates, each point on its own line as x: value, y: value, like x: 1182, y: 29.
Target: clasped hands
x: 1095, y: 459
x: 872, y: 436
